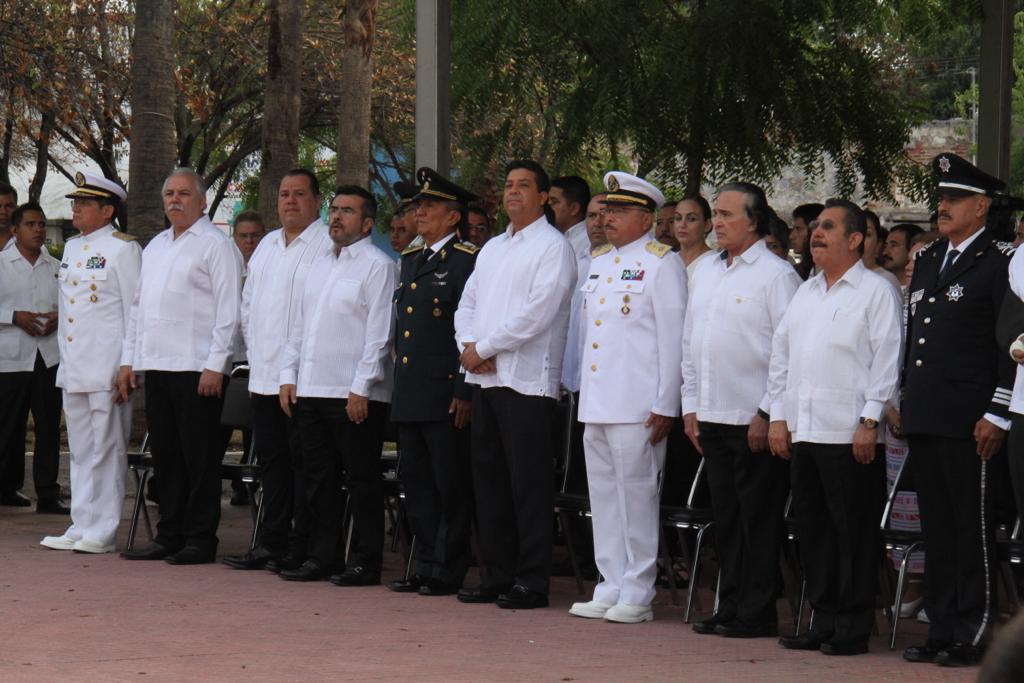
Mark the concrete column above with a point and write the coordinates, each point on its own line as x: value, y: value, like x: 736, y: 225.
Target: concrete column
x: 994, y: 88
x: 433, y: 65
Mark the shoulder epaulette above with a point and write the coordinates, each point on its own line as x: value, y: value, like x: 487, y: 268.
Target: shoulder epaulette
x: 603, y: 249
x: 73, y: 237
x: 924, y: 250
x: 412, y: 249
x: 467, y: 247
x: 1006, y: 247
x: 658, y: 249
x: 123, y: 236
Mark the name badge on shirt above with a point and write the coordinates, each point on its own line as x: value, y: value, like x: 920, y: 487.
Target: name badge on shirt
x: 632, y: 275
x: 917, y: 296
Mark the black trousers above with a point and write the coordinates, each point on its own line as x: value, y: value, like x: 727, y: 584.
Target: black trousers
x: 184, y: 430
x: 333, y: 450
x: 837, y: 504
x: 748, y: 495
x: 513, y: 486
x: 437, y: 478
x: 954, y: 495
x: 285, y: 526
x: 20, y: 394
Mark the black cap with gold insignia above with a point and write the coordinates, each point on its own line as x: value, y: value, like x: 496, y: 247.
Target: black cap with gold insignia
x: 89, y: 186
x: 958, y: 177
x: 435, y: 186
x: 629, y: 190
x: 405, y: 191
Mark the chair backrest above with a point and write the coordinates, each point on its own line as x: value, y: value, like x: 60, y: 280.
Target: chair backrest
x: 237, y: 410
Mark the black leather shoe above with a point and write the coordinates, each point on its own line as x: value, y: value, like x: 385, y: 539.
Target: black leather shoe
x: 280, y: 564
x: 356, y: 576
x: 15, y: 499
x: 804, y: 641
x: 924, y: 653
x: 960, y: 654
x: 748, y: 629
x: 479, y: 595
x: 256, y: 558
x: 191, y: 554
x: 52, y: 506
x: 435, y: 587
x: 521, y: 597
x: 844, y: 648
x: 311, y: 570
x: 410, y: 585
x: 709, y: 625
x: 154, y: 551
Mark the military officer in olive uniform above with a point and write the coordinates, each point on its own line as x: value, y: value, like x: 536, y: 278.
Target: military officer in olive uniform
x: 98, y: 277
x: 431, y: 401
x: 957, y: 388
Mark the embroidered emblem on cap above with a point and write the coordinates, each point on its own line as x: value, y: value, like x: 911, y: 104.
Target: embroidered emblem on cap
x: 944, y: 165
x: 613, y: 184
x: 79, y: 179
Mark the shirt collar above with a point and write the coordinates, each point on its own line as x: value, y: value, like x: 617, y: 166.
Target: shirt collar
x: 436, y: 246
x: 963, y: 246
x: 635, y: 245
x: 307, y: 234
x: 529, y: 230
x: 853, y: 276
x: 96, y: 234
x: 353, y: 250
x: 749, y: 255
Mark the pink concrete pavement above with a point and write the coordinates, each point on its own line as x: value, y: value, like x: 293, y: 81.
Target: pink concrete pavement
x: 69, y: 617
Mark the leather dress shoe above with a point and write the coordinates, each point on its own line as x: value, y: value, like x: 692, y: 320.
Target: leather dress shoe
x: 154, y: 551
x: 256, y: 558
x: 410, y: 585
x: 191, y: 554
x: 708, y: 626
x: 844, y: 648
x: 521, y: 597
x: 804, y: 641
x: 479, y: 595
x: 748, y: 629
x: 279, y: 564
x: 356, y: 576
x: 52, y: 506
x: 311, y: 570
x: 924, y: 654
x: 960, y: 654
x: 437, y: 587
x: 15, y: 499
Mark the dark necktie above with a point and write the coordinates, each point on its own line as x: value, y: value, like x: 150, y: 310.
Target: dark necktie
x: 425, y: 256
x: 950, y: 257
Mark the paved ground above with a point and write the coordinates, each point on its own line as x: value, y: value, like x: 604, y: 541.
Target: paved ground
x: 99, y: 618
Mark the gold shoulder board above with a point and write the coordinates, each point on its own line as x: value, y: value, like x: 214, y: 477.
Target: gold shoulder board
x: 603, y: 249
x: 412, y: 249
x: 658, y: 249
x: 467, y: 247
x: 123, y: 236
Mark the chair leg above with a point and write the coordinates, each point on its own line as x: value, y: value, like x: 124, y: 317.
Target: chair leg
x: 139, y: 496
x: 691, y: 590
x: 412, y: 554
x: 257, y: 520
x: 570, y: 545
x: 888, y: 592
x: 800, y: 605
x: 900, y: 587
x: 666, y: 561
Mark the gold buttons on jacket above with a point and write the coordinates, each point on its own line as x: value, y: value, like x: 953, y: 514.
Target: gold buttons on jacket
x: 406, y: 335
x: 436, y: 300
x: 412, y: 286
x: 617, y: 259
x: 71, y: 320
x: 93, y: 298
x: 69, y: 337
x: 593, y: 368
x: 601, y: 300
x: 408, y: 309
x: 921, y: 340
x: 71, y: 300
x: 919, y: 363
x: 598, y: 323
x: 927, y: 321
x: 595, y: 345
x: 93, y: 286
x: 405, y: 360
x: 74, y: 282
x: 437, y: 312
x: 609, y: 278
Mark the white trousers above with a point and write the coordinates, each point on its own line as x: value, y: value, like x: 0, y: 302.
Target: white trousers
x: 623, y: 470
x: 98, y: 438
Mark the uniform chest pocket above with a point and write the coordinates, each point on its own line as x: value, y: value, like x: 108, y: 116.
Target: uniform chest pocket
x: 180, y: 275
x: 845, y: 329
x: 589, y: 286
x: 629, y: 286
x: 344, y: 296
x: 97, y: 275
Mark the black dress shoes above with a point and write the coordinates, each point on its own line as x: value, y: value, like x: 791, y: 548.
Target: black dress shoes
x: 926, y: 653
x: 846, y: 648
x: 436, y: 587
x: 960, y: 654
x: 521, y: 597
x: 410, y: 585
x: 280, y: 564
x: 709, y: 625
x: 154, y: 551
x: 52, y: 506
x: 804, y: 641
x: 479, y: 595
x: 311, y: 570
x: 15, y: 499
x: 356, y: 576
x: 191, y: 554
x: 256, y: 558
x: 748, y: 629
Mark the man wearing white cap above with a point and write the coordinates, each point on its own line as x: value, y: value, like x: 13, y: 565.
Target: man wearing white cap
x: 97, y: 284
x: 635, y: 301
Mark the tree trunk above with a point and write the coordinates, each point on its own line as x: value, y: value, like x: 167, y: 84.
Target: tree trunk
x: 281, y: 102
x: 42, y: 153
x: 353, y: 148
x: 153, y: 136
x: 5, y: 146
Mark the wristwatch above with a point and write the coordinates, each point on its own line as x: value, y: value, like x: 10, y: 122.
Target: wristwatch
x: 869, y: 423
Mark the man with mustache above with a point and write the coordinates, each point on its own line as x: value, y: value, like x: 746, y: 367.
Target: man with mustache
x: 958, y: 384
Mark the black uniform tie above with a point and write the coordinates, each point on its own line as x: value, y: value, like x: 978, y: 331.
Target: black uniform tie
x: 427, y: 253
x: 950, y: 257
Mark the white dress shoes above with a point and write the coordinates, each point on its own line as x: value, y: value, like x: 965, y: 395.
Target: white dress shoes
x: 590, y: 610
x: 629, y: 614
x: 93, y: 547
x: 58, y: 542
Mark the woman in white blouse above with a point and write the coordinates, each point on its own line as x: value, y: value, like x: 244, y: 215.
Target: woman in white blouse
x: 691, y: 225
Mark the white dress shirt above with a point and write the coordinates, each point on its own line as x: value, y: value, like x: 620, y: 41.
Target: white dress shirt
x: 1016, y: 287
x: 186, y: 308
x: 836, y: 356
x: 515, y: 306
x: 727, y: 339
x: 26, y: 287
x: 271, y: 296
x: 692, y: 266
x: 573, y: 358
x: 340, y: 337
x: 578, y: 238
x: 635, y: 303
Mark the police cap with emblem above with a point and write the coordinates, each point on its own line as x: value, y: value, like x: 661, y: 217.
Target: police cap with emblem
x: 628, y: 190
x: 959, y: 178
x: 96, y: 187
x: 435, y: 186
x: 405, y: 191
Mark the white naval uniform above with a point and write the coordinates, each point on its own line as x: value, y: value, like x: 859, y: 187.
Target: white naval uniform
x: 97, y: 276
x: 635, y: 301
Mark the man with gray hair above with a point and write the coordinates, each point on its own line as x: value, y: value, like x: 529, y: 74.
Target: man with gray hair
x: 736, y: 302
x: 180, y: 334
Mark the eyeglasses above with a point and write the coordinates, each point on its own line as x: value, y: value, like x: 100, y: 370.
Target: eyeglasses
x: 343, y: 210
